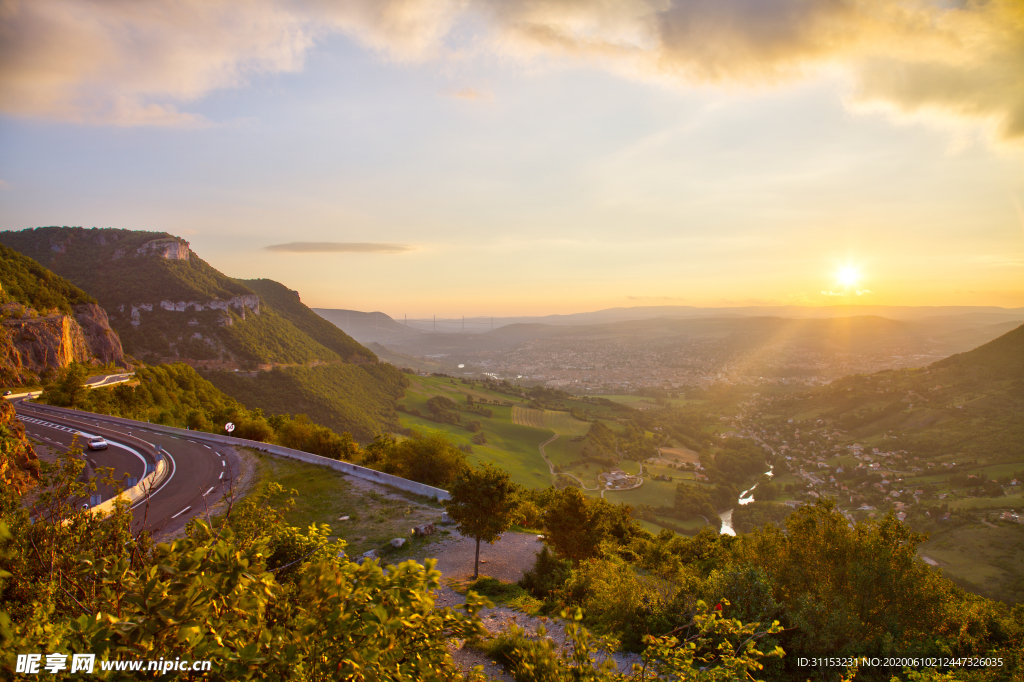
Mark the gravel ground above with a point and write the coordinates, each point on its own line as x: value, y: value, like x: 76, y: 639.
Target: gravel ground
x: 506, y: 560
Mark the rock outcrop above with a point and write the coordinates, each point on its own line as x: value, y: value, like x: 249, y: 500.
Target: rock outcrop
x: 171, y: 248
x: 31, y: 345
x: 240, y: 304
x: 104, y: 343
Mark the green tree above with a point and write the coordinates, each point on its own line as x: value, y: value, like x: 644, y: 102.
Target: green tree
x: 766, y: 491
x: 483, y: 503
x: 432, y: 459
x: 574, y: 525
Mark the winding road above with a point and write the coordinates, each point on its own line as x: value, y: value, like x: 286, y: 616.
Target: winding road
x: 200, y: 474
x: 555, y: 475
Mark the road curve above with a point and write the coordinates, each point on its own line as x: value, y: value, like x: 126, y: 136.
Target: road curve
x: 200, y: 475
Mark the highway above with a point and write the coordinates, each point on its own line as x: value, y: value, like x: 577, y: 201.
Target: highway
x: 200, y: 474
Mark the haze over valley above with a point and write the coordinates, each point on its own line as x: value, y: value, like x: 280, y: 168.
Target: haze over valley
x: 475, y: 341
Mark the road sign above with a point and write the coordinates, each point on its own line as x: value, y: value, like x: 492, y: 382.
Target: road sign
x: 229, y: 427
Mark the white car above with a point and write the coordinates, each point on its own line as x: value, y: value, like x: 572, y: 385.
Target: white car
x: 97, y: 443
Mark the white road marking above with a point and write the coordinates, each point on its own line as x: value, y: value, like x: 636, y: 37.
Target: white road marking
x: 221, y: 476
x: 206, y: 446
x: 145, y: 464
x: 174, y: 470
x: 208, y: 491
x: 222, y: 463
x: 182, y: 512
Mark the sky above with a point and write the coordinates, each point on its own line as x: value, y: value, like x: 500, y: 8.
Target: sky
x: 529, y: 157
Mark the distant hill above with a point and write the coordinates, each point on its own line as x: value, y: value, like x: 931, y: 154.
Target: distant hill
x: 46, y: 323
x: 966, y: 314
x: 930, y: 338
x: 168, y: 305
x: 366, y: 327
x: 1003, y: 357
x: 969, y: 406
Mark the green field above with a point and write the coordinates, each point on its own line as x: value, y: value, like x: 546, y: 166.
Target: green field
x: 1013, y: 502
x: 654, y: 493
x: 562, y: 423
x: 985, y: 558
x: 513, y: 433
x: 637, y: 401
x: 324, y: 496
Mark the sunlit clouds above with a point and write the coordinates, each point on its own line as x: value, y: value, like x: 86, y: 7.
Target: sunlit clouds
x: 493, y: 157
x: 132, y: 63
x: 337, y: 247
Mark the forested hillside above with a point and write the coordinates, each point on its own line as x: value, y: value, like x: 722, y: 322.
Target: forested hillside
x: 288, y: 305
x: 168, y: 305
x: 26, y: 282
x: 359, y: 399
x: 968, y: 406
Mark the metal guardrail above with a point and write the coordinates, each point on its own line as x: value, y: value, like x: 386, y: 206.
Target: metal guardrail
x: 201, y: 436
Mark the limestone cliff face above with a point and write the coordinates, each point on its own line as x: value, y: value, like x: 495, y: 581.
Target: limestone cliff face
x: 241, y: 304
x: 104, y: 343
x: 30, y: 346
x: 19, y: 465
x: 170, y: 248
x: 46, y: 342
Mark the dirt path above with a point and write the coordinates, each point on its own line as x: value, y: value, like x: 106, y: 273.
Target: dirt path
x: 554, y: 475
x: 507, y: 560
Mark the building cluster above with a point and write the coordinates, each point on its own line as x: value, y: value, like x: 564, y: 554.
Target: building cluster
x: 611, y: 365
x: 867, y: 481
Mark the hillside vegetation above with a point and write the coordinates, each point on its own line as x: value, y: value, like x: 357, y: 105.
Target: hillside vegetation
x: 359, y: 399
x: 287, y: 304
x: 968, y: 406
x: 46, y: 323
x: 168, y: 305
x: 26, y: 282
x: 176, y: 395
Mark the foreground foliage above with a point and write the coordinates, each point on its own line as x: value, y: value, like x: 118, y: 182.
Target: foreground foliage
x: 265, y: 601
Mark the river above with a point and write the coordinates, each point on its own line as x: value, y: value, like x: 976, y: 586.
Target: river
x: 746, y: 497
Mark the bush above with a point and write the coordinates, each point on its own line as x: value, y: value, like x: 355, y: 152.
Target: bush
x: 548, y: 575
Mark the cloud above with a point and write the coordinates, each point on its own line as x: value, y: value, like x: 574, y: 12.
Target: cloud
x: 863, y: 292
x: 832, y: 293
x: 337, y: 247
x: 471, y: 94
x: 140, y: 63
x: 655, y: 298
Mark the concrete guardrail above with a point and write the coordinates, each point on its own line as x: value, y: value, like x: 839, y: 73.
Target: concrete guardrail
x: 137, y: 491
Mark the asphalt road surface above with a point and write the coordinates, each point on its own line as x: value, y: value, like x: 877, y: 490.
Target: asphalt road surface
x: 200, y: 474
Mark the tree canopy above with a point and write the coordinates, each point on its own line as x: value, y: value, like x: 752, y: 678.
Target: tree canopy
x: 483, y: 503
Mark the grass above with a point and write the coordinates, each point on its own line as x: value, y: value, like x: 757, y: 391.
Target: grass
x: 377, y: 514
x: 1011, y: 502
x: 681, y: 455
x: 987, y: 559
x: 562, y: 423
x: 654, y: 493
x: 643, y: 401
x: 510, y: 445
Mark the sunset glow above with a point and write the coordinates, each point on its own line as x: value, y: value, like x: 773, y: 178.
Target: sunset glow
x: 453, y: 162
x: 848, y: 276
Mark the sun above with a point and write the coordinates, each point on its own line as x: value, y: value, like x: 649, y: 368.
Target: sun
x: 848, y: 276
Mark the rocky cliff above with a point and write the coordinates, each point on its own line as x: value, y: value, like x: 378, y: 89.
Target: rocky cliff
x: 33, y: 345
x: 47, y: 323
x: 19, y: 465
